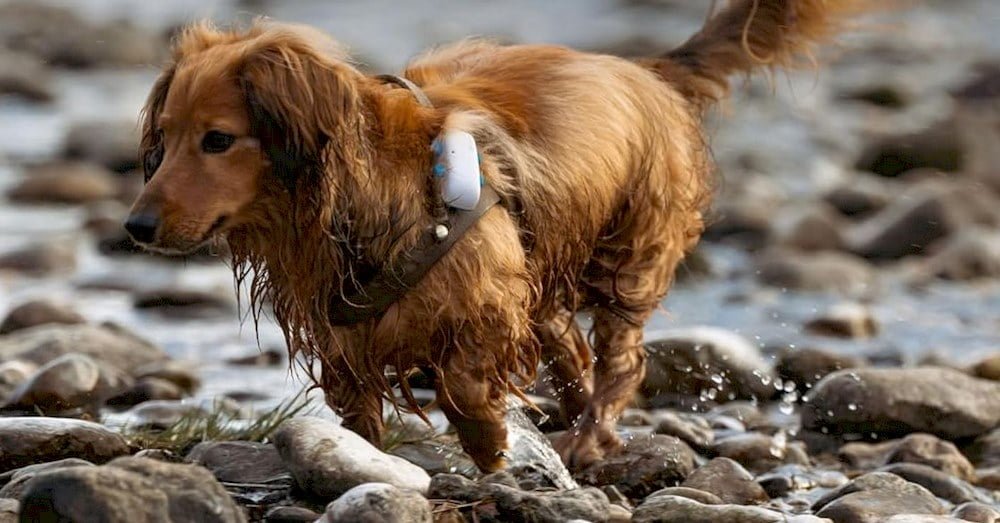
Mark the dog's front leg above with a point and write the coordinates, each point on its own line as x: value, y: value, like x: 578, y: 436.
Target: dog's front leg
x: 360, y: 406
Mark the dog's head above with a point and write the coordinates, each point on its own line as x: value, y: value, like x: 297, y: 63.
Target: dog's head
x: 236, y: 119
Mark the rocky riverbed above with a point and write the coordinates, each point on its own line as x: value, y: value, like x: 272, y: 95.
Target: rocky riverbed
x: 830, y: 353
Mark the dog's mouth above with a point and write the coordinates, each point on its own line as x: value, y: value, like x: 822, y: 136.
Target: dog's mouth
x: 182, y: 248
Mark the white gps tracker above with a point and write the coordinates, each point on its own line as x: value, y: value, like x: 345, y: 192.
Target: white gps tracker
x: 457, y: 165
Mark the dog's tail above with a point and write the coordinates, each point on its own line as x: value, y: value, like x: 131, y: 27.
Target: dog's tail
x: 750, y: 34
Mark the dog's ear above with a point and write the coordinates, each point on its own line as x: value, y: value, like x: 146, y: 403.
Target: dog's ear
x: 151, y: 142
x: 303, y: 102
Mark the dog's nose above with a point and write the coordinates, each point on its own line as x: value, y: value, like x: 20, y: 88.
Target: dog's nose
x: 142, y: 227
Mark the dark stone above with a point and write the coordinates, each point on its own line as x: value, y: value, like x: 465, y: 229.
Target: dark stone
x: 26, y: 441
x: 646, y: 464
x: 492, y: 502
x: 39, y: 312
x: 728, y: 480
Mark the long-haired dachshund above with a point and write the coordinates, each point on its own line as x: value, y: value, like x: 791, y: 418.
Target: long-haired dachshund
x: 320, y: 179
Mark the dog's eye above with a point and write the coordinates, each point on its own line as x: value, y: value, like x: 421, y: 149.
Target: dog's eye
x: 216, y: 142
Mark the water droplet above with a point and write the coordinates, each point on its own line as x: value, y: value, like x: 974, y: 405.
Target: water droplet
x: 852, y: 407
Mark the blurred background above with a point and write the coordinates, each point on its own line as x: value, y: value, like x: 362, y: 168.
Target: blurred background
x: 858, y: 213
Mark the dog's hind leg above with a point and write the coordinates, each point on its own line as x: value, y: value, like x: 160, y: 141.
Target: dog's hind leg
x: 566, y: 357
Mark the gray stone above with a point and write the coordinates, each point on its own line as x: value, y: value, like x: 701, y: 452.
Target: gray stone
x: 728, y: 480
x: 896, y: 402
x: 874, y: 496
x: 68, y: 382
x: 18, y: 478
x: 646, y: 464
x: 700, y: 496
x: 691, y: 429
x: 24, y: 75
x: 926, y: 449
x: 40, y: 259
x: 676, y: 509
x: 793, y: 478
x: 240, y: 461
x: 9, y: 510
x: 39, y: 312
x: 844, y: 320
x: 976, y: 512
x: 25, y: 441
x: 327, y: 460
x: 179, y: 373
x: 938, y: 483
x: 128, y: 490
x: 107, y: 344
x: 760, y: 453
x: 805, y: 367
x: 65, y: 183
x: 969, y: 255
x: 504, y: 503
x: 819, y: 271
x: 380, y: 503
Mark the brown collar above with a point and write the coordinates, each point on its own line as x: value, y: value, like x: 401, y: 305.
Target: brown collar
x: 367, y: 300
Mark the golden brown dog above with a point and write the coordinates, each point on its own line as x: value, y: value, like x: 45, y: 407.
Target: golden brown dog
x: 316, y: 174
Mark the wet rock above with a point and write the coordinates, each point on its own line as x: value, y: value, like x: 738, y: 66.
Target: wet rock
x: 859, y: 197
x: 896, y: 402
x: 179, y: 373
x: 39, y: 312
x: 819, y: 271
x: 71, y: 183
x: 875, y: 496
x: 919, y: 518
x: 14, y: 373
x: 327, y: 460
x: 40, y: 259
x: 635, y: 418
x: 988, y: 478
x: 68, y: 382
x: 25, y: 441
x: 264, y: 358
x: 699, y: 360
x: 130, y: 489
x: 845, y: 320
x: 162, y: 414
x: 290, y: 514
x: 921, y: 216
x: 9, y: 510
x: 938, y: 483
x: 969, y: 255
x: 988, y: 368
x: 646, y: 464
x: 759, y: 452
x: 938, y: 147
x: 700, y: 496
x: 240, y: 461
x: 676, y: 509
x: 24, y: 75
x: 790, y: 478
x: 111, y: 144
x: 380, y: 502
x: 977, y: 512
x: 740, y: 223
x: 926, y: 449
x: 805, y: 367
x: 985, y: 450
x: 500, y: 502
x: 184, y: 303
x: 691, y: 429
x: 107, y: 344
x: 865, y: 456
x: 147, y: 389
x: 437, y: 457
x: 16, y: 479
x: 816, y: 227
x: 728, y: 480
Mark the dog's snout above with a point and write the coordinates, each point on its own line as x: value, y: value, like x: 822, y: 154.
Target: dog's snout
x: 142, y: 227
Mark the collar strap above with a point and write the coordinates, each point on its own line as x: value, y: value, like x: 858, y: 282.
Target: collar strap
x: 363, y: 301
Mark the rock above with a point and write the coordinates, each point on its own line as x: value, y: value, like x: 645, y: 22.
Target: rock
x: 378, y: 503
x: 634, y: 418
x: 988, y: 478
x: 700, y: 496
x: 866, y: 456
x: 146, y: 389
x: 71, y: 183
x: 437, y: 457
x: 68, y: 382
x: 18, y: 478
x: 179, y: 373
x: 921, y: 216
x: 845, y: 320
x: 14, y: 373
x: 162, y: 414
x: 790, y: 478
x: 25, y: 441
x: 919, y: 518
x: 818, y: 271
x: 327, y: 460
x: 184, y: 303
x: 647, y: 463
x: 938, y: 483
x: 985, y: 450
x: 26, y: 76
x: 988, y: 368
x: 59, y: 37
x: 926, y: 449
x: 130, y: 489
x: 240, y: 461
x: 290, y: 514
x: 264, y: 358
x: 500, y: 502
x: 9, y: 510
x: 874, y: 496
x: 728, y: 480
x: 935, y: 148
x: 860, y: 197
x: 977, y: 512
x: 676, y: 509
x: 40, y: 259
x: 745, y: 224
x: 805, y: 367
x: 759, y: 452
x: 39, y: 312
x: 815, y: 227
x: 968, y: 255
x: 896, y: 402
x: 699, y: 360
x: 107, y: 344
x: 884, y: 95
x: 111, y: 144
x: 691, y: 429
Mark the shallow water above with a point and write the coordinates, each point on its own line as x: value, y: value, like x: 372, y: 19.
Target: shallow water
x: 803, y: 151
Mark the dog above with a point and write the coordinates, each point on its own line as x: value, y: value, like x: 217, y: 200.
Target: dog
x: 316, y: 176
